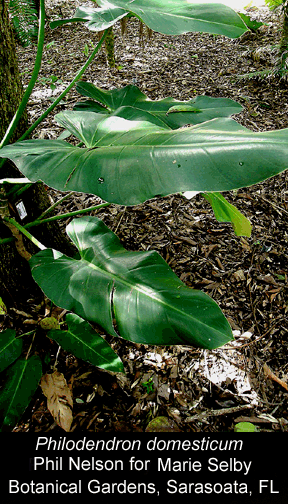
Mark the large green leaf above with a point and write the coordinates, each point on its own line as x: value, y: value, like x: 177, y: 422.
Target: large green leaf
x: 170, y: 17
x: 81, y: 340
x: 94, y: 19
x: 129, y: 102
x: 174, y: 17
x: 22, y: 381
x: 132, y: 294
x: 129, y: 162
x: 10, y: 348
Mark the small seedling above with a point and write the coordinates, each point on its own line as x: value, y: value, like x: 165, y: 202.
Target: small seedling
x: 50, y: 44
x: 86, y: 50
x: 148, y: 385
x: 52, y: 81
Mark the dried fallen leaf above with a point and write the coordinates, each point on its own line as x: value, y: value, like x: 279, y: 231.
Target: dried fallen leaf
x: 239, y: 275
x: 164, y: 391
x: 267, y: 279
x: 162, y: 424
x: 59, y: 398
x: 269, y: 373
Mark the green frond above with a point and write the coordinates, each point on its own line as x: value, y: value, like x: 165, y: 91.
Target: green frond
x: 261, y: 74
x: 272, y: 4
x: 24, y: 17
x: 277, y: 70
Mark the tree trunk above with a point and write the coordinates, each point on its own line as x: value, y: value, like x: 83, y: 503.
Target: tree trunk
x: 13, y: 268
x: 10, y: 83
x: 16, y: 283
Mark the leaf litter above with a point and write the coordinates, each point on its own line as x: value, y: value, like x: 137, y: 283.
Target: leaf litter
x: 59, y: 398
x: 192, y: 389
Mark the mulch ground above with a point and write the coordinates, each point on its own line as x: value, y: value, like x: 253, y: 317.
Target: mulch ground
x: 196, y: 390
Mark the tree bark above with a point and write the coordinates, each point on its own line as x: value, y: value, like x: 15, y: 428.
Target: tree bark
x: 16, y: 283
x: 10, y: 82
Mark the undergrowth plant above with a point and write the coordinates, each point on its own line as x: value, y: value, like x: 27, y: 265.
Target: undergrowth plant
x: 24, y: 17
x: 130, y: 149
x: 281, y: 65
x: 278, y: 53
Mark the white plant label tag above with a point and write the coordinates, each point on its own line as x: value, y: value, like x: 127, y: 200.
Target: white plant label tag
x: 21, y: 210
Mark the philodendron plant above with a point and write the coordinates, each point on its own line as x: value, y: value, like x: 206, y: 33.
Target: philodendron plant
x: 133, y: 149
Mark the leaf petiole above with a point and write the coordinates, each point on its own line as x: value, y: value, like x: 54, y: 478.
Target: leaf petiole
x: 25, y: 232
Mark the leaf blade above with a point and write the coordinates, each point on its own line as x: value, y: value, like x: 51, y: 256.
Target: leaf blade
x: 22, y: 381
x: 10, y: 348
x: 116, y: 101
x: 129, y: 162
x: 172, y: 17
x: 138, y: 290
x: 175, y: 17
x: 94, y: 19
x: 225, y: 212
x: 81, y: 340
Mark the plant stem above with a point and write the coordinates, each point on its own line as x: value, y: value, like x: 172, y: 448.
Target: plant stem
x: 55, y: 205
x: 25, y: 232
x: 14, y: 195
x: 37, y: 222
x: 30, y: 347
x: 61, y: 96
x: 15, y: 120
x: 13, y: 124
x: 25, y: 334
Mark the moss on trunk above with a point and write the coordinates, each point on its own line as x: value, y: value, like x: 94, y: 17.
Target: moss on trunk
x: 11, y: 90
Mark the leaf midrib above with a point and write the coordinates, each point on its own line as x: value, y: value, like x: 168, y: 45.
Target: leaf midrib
x: 88, y: 346
x: 130, y: 286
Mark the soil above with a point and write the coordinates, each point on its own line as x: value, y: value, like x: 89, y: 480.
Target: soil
x: 196, y: 390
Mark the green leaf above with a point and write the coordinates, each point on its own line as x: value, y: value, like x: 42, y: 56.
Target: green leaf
x: 174, y: 17
x: 225, y: 212
x: 94, y: 19
x: 132, y: 294
x: 171, y: 17
x: 252, y: 24
x: 82, y: 341
x: 10, y: 348
x: 65, y: 134
x: 22, y: 381
x: 281, y: 277
x: 129, y: 162
x: 130, y: 103
x: 24, y: 18
x: 245, y: 427
x: 3, y: 309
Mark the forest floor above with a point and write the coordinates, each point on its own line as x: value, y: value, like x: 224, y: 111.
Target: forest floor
x: 196, y: 390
